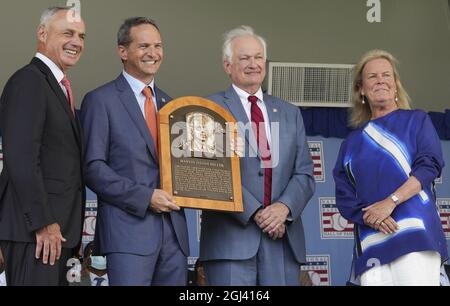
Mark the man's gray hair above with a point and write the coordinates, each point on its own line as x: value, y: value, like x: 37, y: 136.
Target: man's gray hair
x: 50, y: 12
x: 236, y: 33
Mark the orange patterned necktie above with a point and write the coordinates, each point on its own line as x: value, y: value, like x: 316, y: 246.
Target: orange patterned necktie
x: 150, y: 116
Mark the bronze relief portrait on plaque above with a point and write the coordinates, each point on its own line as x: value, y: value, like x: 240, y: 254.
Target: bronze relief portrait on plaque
x: 198, y: 165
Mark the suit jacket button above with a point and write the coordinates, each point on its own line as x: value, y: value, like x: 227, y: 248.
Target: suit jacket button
x: 261, y: 173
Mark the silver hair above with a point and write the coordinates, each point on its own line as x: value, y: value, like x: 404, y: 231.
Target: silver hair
x: 236, y: 33
x: 50, y: 12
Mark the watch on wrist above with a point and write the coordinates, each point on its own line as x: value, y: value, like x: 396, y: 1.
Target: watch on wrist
x: 395, y: 199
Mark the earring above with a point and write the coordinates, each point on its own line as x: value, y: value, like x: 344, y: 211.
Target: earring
x: 363, y: 100
x: 396, y: 99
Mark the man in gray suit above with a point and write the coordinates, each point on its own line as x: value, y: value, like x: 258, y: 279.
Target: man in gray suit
x: 265, y: 244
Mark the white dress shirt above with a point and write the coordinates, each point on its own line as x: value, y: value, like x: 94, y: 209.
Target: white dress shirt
x: 93, y: 277
x: 57, y: 72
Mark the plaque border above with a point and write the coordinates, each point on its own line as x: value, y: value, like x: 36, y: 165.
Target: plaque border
x: 236, y: 205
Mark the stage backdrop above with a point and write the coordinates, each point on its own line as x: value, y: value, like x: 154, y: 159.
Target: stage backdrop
x: 329, y: 237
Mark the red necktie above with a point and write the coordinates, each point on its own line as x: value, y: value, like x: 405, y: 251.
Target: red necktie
x: 65, y: 82
x: 150, y: 116
x: 264, y: 148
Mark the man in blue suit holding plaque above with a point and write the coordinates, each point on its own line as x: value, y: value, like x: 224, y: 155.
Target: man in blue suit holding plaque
x: 265, y: 244
x: 140, y: 229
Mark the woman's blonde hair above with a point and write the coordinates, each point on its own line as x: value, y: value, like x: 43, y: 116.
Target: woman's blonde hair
x: 361, y: 113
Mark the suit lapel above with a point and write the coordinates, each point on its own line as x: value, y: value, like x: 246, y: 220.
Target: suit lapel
x: 161, y: 99
x: 273, y: 112
x: 128, y: 99
x: 232, y: 101
x: 61, y: 97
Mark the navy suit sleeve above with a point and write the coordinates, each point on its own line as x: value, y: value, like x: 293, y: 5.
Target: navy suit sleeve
x: 346, y: 199
x: 301, y: 186
x: 100, y: 177
x: 428, y: 162
x: 22, y: 125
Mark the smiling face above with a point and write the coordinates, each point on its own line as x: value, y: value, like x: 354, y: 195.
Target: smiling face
x: 144, y: 55
x: 61, y: 40
x: 378, y: 84
x: 248, y: 66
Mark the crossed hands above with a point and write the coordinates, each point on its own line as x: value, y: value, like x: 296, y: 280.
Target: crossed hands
x: 271, y: 220
x: 378, y: 217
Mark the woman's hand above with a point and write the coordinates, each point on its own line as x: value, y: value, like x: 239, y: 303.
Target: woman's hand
x: 378, y: 217
x: 387, y: 227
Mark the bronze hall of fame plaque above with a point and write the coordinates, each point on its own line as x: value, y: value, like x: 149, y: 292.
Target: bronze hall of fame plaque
x: 197, y: 162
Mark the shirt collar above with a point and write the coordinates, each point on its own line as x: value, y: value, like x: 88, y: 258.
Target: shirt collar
x: 57, y: 72
x: 243, y: 95
x: 136, y: 85
x: 93, y: 276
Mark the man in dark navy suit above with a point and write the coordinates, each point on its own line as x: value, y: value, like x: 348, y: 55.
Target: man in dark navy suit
x: 41, y: 185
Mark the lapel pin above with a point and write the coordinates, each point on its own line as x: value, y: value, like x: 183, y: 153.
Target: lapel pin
x: 275, y: 110
x: 163, y: 100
